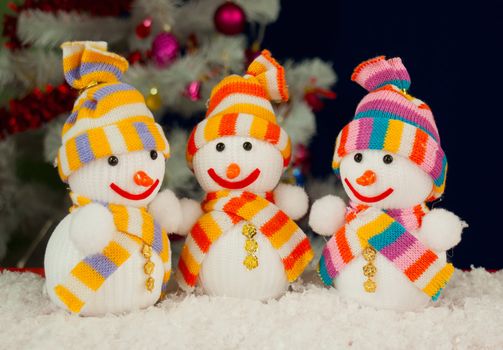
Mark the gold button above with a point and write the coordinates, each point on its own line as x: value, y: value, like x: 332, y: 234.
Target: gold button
x: 149, y: 267
x: 369, y: 253
x: 251, y: 246
x: 146, y: 251
x: 369, y: 270
x: 249, y: 231
x: 370, y: 286
x: 250, y: 262
x: 149, y: 283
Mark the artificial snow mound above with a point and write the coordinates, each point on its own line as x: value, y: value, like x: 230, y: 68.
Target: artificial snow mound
x: 468, y: 316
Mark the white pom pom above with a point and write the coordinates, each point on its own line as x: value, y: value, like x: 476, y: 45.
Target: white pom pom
x: 292, y: 200
x: 327, y: 215
x: 91, y: 228
x: 166, y: 210
x: 191, y: 211
x: 441, y: 229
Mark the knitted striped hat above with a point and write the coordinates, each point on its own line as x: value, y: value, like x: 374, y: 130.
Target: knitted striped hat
x: 389, y: 119
x: 242, y: 106
x: 109, y: 117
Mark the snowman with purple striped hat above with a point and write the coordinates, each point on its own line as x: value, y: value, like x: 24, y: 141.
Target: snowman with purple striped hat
x: 387, y: 248
x: 111, y: 254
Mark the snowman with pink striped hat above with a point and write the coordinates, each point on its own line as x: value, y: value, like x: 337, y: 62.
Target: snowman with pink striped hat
x: 387, y: 248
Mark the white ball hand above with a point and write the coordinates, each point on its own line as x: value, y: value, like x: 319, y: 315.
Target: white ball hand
x: 292, y: 200
x: 441, y: 229
x: 327, y: 215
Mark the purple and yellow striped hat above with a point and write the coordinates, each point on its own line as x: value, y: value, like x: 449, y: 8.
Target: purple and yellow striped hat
x: 109, y: 117
x: 390, y: 119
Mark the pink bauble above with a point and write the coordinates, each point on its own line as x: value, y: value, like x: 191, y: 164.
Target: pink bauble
x: 165, y: 48
x: 230, y: 19
x: 193, y: 90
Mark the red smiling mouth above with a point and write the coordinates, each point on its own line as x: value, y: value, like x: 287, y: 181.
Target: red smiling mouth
x: 236, y: 185
x: 368, y: 199
x: 132, y: 196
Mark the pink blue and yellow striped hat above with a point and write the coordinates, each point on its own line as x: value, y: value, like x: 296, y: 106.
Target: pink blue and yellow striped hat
x: 109, y: 117
x: 242, y: 106
x: 390, y: 119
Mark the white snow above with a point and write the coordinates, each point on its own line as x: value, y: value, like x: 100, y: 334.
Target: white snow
x: 468, y: 316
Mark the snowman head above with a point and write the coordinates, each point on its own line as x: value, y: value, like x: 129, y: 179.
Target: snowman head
x: 239, y: 145
x: 389, y: 155
x: 131, y: 179
x: 112, y: 150
x: 238, y: 163
x: 384, y: 180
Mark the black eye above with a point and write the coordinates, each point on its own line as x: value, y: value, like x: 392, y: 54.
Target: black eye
x: 220, y: 146
x: 387, y: 159
x: 247, y: 146
x: 358, y: 157
x: 153, y: 154
x: 113, y: 160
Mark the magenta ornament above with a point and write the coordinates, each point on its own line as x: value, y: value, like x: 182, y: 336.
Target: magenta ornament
x: 193, y: 90
x: 165, y: 49
x: 229, y: 19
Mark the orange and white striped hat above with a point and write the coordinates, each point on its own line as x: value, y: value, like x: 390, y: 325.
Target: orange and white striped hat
x: 241, y: 106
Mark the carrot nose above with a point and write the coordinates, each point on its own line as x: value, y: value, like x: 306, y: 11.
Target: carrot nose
x: 142, y: 179
x: 367, y: 179
x: 233, y: 171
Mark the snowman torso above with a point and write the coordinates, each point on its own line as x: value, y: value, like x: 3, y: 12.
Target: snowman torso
x: 122, y: 291
x: 224, y: 274
x: 394, y: 290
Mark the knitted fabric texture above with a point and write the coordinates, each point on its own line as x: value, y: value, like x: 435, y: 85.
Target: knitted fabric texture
x: 137, y: 228
x: 388, y: 232
x: 109, y: 117
x: 223, y: 210
x: 242, y: 106
x: 389, y: 119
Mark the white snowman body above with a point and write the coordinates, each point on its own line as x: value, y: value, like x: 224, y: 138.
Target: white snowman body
x: 385, y: 181
x: 233, y: 159
x: 88, y: 229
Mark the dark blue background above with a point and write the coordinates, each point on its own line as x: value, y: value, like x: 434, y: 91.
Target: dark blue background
x: 451, y: 52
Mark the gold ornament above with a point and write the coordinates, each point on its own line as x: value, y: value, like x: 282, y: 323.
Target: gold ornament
x: 150, y: 283
x: 251, y: 246
x: 369, y: 270
x: 149, y: 267
x: 153, y: 100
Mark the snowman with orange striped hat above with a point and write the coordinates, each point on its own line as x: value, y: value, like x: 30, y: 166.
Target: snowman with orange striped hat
x: 243, y: 242
x: 387, y: 249
x: 111, y: 254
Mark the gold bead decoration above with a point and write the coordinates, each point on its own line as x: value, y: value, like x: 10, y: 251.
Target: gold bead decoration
x: 370, y: 286
x: 150, y: 283
x: 149, y: 267
x: 369, y: 270
x: 146, y: 251
x: 251, y: 262
x: 153, y: 100
x: 249, y: 231
x: 251, y: 246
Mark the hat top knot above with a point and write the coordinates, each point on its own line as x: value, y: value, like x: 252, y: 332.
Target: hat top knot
x: 88, y: 63
x: 379, y: 71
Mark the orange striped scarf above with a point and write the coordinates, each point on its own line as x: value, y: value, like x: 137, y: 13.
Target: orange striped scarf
x: 223, y: 210
x: 138, y: 231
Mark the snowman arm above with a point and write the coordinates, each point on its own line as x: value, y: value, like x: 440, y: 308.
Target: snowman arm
x: 441, y: 229
x: 292, y: 200
x: 191, y: 212
x: 166, y: 210
x: 91, y: 228
x: 327, y: 215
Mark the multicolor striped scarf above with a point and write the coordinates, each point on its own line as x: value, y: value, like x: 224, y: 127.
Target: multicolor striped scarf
x: 138, y: 231
x: 223, y: 210
x: 389, y: 233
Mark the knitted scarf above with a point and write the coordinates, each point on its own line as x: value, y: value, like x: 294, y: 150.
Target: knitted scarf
x: 223, y: 210
x: 389, y: 233
x: 138, y: 231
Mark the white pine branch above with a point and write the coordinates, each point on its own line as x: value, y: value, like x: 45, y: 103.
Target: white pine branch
x: 45, y: 29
